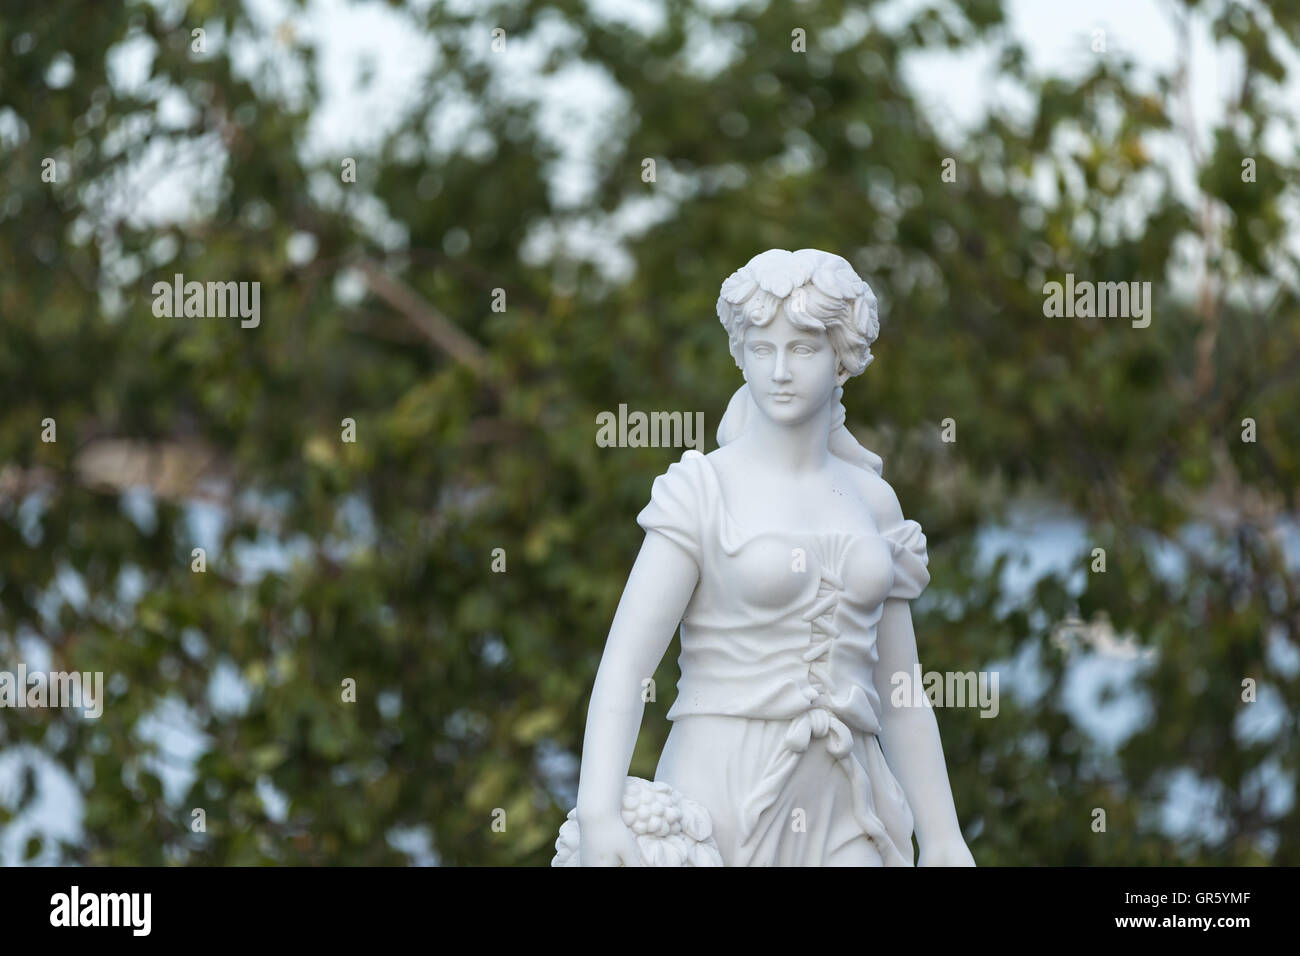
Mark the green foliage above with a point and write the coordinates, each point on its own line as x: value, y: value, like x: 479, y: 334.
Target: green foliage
x: 468, y: 682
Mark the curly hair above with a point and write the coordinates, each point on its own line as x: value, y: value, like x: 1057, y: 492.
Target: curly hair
x: 816, y: 290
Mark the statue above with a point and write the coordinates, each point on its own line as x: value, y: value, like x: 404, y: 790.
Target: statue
x: 786, y: 559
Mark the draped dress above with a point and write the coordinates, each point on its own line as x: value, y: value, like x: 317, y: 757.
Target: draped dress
x: 776, y: 722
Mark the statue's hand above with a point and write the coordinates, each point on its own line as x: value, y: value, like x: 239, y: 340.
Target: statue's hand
x: 951, y: 852
x: 607, y: 841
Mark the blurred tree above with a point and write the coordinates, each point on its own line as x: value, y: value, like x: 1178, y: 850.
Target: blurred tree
x: 475, y: 428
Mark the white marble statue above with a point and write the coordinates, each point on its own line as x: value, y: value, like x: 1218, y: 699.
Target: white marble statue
x: 786, y: 559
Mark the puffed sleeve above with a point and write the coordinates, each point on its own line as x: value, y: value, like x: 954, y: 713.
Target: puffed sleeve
x: 907, y: 542
x: 674, y: 508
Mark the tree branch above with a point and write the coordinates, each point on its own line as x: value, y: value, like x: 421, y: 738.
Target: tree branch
x: 435, y: 326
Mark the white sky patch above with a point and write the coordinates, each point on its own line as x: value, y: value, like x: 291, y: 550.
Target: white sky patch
x: 371, y: 59
x: 1274, y: 787
x: 1263, y: 719
x: 1193, y: 807
x: 646, y: 17
x: 55, y: 814
x: 416, y: 842
x: 173, y: 732
x: 129, y: 62
x: 1102, y: 697
x: 1036, y: 544
x: 229, y: 694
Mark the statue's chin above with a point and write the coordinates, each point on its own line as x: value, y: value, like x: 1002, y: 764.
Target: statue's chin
x: 789, y: 414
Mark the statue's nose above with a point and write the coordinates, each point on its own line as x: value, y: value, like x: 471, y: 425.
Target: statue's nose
x: 780, y: 373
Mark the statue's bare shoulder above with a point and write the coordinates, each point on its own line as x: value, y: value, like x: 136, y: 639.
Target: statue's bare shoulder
x: 878, y: 494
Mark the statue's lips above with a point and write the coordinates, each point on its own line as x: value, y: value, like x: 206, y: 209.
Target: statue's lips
x: 782, y: 396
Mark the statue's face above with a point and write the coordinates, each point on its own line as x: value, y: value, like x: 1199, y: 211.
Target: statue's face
x: 791, y: 373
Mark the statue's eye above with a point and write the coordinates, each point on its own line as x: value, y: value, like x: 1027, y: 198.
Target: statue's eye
x: 760, y: 349
x: 803, y: 350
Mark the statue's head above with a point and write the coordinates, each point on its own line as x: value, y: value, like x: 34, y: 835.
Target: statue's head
x: 815, y: 291
x: 800, y: 323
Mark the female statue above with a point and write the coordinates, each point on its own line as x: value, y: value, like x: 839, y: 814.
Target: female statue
x: 786, y: 559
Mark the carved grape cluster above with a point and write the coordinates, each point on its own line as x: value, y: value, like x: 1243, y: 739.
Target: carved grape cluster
x: 670, y: 829
x: 649, y: 810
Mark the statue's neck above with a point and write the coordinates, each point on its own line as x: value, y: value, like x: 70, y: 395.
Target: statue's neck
x: 794, y: 448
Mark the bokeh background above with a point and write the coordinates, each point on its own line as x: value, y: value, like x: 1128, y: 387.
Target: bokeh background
x: 1118, y: 141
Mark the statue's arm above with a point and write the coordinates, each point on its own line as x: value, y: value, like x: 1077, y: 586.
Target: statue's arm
x: 655, y: 598
x: 909, y: 735
x: 910, y: 740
